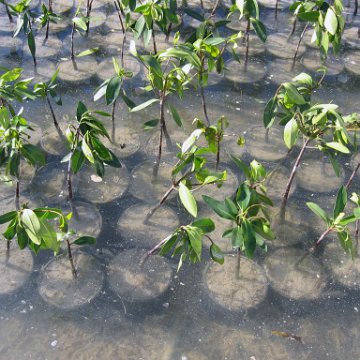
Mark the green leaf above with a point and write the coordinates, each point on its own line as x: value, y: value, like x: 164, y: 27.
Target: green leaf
x: 176, y: 116
x: 77, y: 160
x: 8, y: 217
x: 317, y: 210
x: 31, y: 43
x: 149, y: 125
x: 291, y: 133
x: 144, y: 105
x: 311, y: 16
x: 80, y: 23
x: 169, y: 243
x: 48, y: 234
x: 32, y: 225
x: 80, y: 110
x: 86, y: 150
x: 195, y: 236
x: 259, y: 28
x: 193, y: 14
x: 341, y: 200
x: 338, y: 147
x: 85, y: 240
x: 114, y: 161
x: 331, y: 22
x: 293, y: 94
x: 216, y: 254
x: 205, y: 224
x: 219, y: 207
x: 237, y: 237
x: 22, y: 237
x: 113, y: 90
x: 33, y: 154
x: 304, y: 79
x: 87, y: 52
x: 188, y: 199
x: 249, y: 239
x: 269, y: 113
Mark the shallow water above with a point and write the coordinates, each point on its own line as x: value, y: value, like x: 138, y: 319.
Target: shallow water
x: 188, y: 319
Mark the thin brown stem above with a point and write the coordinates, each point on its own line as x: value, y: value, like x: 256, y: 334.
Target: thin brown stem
x: 294, y: 26
x: 48, y: 22
x: 348, y: 184
x: 201, y: 88
x: 299, y: 42
x: 71, y: 259
x: 166, y: 195
x: 321, y: 238
x: 113, y: 120
x: 293, y: 172
x: 8, y: 13
x: 356, y: 7
x: 214, y: 8
x: 118, y: 9
x: 72, y: 41
x: 276, y: 9
x: 53, y: 114
x: 247, y: 35
x: 154, y: 41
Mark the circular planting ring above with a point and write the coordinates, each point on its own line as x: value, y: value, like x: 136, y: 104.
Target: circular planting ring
x: 235, y: 287
x: 295, y: 274
x: 135, y: 281
x: 58, y: 287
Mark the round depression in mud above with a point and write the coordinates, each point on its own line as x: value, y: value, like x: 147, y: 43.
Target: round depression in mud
x: 135, y: 279
x: 59, y: 287
x: 238, y: 284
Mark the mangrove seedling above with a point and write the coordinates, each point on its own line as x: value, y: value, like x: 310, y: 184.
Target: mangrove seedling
x: 79, y: 24
x: 319, y: 123
x: 209, y: 49
x: 247, y: 211
x: 85, y: 144
x: 338, y: 221
x: 42, y: 229
x: 190, y: 172
x: 162, y: 13
x: 327, y: 21
x: 13, y: 88
x: 47, y: 17
x: 112, y: 88
x: 14, y: 147
x: 47, y: 90
x: 187, y: 241
x: 249, y: 11
x: 25, y: 17
x: 165, y: 80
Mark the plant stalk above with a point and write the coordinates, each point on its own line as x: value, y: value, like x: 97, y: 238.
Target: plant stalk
x: 71, y: 259
x: 48, y: 23
x: 56, y: 124
x: 113, y: 108
x: 72, y: 41
x: 154, y: 42
x: 299, y: 42
x: 69, y: 181
x: 247, y: 35
x: 293, y: 172
x: 348, y: 184
x: 8, y: 13
x: 202, y: 93
x: 321, y: 238
x: 356, y: 7
x: 294, y: 26
x: 118, y: 9
x: 88, y: 11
